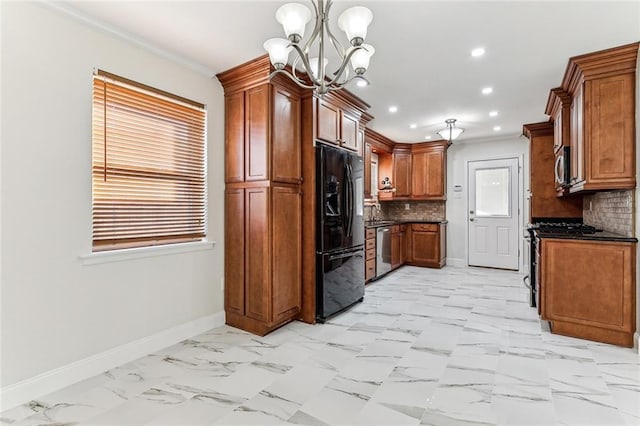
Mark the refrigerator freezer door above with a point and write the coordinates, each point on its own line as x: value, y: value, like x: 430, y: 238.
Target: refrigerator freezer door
x: 340, y: 281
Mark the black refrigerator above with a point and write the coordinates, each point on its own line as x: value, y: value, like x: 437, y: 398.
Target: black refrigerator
x: 340, y: 230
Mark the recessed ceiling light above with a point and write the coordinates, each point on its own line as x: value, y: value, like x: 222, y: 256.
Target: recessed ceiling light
x: 497, y: 128
x: 393, y: 109
x: 479, y: 51
x: 362, y: 83
x: 413, y: 125
x: 427, y: 137
x: 493, y: 114
x: 487, y: 90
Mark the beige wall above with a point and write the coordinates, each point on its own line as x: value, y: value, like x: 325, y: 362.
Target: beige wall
x: 55, y: 308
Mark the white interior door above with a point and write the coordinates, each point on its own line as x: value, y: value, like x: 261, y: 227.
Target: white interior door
x: 493, y: 213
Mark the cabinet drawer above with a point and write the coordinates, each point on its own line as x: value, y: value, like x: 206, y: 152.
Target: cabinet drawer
x: 428, y: 227
x: 370, y: 244
x: 370, y: 270
x: 371, y: 254
x: 371, y: 233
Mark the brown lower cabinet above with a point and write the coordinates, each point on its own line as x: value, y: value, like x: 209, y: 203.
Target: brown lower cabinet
x: 398, y: 246
x: 587, y: 289
x: 370, y: 254
x: 263, y: 256
x: 427, y: 245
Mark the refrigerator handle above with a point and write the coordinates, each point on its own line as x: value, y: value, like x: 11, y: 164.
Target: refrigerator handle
x: 349, y: 194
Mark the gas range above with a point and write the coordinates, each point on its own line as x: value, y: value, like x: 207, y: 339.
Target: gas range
x: 562, y: 227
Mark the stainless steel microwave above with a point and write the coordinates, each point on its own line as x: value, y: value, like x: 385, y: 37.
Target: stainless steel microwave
x: 562, y: 168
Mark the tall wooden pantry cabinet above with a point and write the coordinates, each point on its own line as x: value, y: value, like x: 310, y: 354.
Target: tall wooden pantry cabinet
x: 263, y: 198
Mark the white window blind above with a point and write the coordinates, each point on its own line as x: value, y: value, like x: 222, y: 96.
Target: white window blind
x: 148, y: 165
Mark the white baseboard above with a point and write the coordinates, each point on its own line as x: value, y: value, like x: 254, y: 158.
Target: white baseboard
x: 460, y: 263
x: 58, y: 378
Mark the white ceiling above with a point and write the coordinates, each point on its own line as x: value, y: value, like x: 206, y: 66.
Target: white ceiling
x: 422, y: 62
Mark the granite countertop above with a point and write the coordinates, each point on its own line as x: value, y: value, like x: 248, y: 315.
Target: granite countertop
x: 598, y: 236
x: 380, y: 223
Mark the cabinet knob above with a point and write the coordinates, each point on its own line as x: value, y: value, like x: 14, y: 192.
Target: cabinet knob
x: 300, y: 179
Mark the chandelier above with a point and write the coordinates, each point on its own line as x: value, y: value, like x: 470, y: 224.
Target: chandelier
x: 451, y: 132
x: 294, y: 18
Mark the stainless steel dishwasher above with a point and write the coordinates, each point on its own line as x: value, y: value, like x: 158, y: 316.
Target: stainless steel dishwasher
x: 383, y: 250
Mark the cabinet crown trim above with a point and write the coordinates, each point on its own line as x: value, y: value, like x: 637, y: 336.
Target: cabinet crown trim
x: 617, y: 60
x: 558, y: 97
x: 537, y: 129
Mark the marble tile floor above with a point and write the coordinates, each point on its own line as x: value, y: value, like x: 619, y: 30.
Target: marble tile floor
x: 457, y: 346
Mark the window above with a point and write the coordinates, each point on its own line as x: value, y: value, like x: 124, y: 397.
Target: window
x: 148, y: 165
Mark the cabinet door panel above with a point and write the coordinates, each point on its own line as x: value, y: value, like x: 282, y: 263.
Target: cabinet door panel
x: 349, y: 133
x: 425, y: 247
x: 234, y: 137
x: 395, y: 250
x: 610, y: 119
x: 287, y: 250
x: 257, y: 252
x: 367, y: 170
x: 589, y: 283
x: 402, y: 175
x: 327, y: 122
x: 285, y: 137
x: 257, y: 112
x: 419, y: 175
x: 234, y: 251
x: 435, y: 163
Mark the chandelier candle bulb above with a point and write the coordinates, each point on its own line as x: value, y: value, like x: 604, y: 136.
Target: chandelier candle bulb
x: 279, y: 49
x: 294, y: 17
x: 361, y: 57
x: 354, y: 22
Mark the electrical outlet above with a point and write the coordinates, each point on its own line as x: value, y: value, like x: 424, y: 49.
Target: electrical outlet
x: 407, y: 206
x: 590, y: 205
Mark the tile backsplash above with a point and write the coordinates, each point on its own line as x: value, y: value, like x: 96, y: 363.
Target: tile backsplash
x: 418, y: 210
x: 610, y: 211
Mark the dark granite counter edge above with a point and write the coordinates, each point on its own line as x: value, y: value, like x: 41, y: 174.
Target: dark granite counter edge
x: 598, y: 236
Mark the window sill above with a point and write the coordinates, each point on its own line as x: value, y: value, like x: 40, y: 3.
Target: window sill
x: 142, y: 252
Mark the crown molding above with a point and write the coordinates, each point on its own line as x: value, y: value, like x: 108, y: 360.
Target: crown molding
x: 95, y: 23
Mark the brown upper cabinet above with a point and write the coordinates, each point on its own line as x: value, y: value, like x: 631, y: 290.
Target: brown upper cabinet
x: 544, y: 201
x: 419, y: 171
x: 602, y: 118
x: 401, y: 172
x: 252, y: 153
x: 338, y: 124
x: 428, y: 175
x: 367, y: 170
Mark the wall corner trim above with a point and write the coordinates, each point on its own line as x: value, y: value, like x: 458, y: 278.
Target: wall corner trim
x: 58, y: 378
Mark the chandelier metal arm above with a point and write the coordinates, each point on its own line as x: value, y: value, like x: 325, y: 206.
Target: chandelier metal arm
x: 305, y: 62
x: 345, y: 64
x: 294, y: 79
